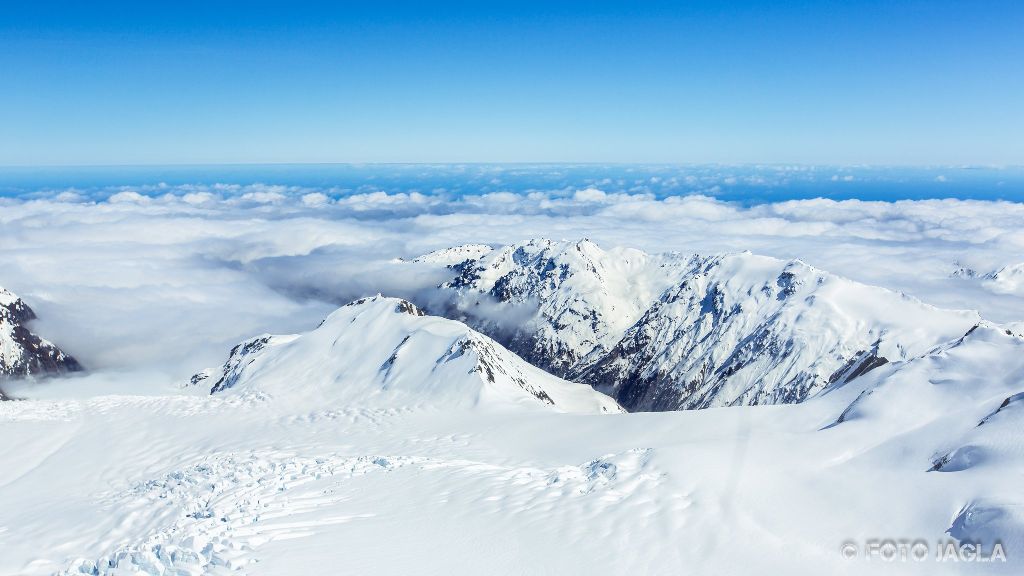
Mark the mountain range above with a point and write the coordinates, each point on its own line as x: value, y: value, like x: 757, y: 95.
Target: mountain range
x: 670, y: 331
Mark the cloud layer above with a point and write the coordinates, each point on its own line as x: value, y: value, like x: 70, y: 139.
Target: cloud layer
x: 168, y: 278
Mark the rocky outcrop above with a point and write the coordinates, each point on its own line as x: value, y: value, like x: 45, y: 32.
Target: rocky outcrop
x: 22, y: 353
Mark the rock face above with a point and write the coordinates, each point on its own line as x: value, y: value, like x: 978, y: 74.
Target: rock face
x: 386, y: 352
x: 22, y: 353
x: 670, y: 332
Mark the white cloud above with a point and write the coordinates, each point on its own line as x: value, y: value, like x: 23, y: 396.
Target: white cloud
x: 315, y: 199
x: 129, y: 196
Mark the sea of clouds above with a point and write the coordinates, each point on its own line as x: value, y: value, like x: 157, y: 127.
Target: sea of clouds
x: 164, y: 280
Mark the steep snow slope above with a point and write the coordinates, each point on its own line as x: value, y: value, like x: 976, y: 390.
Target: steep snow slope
x: 668, y: 332
x: 555, y: 303
x: 22, y: 353
x: 957, y: 410
x: 742, y: 329
x: 385, y: 351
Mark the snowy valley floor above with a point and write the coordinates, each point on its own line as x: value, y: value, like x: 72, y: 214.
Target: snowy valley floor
x: 252, y: 484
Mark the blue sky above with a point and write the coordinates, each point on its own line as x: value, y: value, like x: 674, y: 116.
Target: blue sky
x: 897, y: 82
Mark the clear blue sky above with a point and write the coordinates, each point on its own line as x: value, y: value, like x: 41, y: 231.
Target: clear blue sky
x: 888, y: 82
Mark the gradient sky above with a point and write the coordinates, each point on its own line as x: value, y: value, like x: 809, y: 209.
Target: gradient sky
x: 888, y: 82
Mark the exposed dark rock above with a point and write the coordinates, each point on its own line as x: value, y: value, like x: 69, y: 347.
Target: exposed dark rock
x: 26, y: 355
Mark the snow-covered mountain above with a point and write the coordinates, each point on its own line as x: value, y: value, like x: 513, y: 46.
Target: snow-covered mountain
x: 22, y: 353
x: 742, y: 329
x: 385, y: 351
x: 556, y: 303
x: 666, y: 332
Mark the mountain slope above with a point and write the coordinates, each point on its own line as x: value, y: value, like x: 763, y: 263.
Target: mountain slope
x: 954, y: 411
x: 22, y: 353
x: 385, y: 351
x: 746, y: 329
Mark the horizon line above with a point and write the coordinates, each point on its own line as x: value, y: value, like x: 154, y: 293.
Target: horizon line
x: 859, y: 165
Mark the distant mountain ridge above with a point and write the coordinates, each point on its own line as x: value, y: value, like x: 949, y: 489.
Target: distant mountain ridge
x: 669, y: 332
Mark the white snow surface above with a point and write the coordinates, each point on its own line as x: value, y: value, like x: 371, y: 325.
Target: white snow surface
x: 276, y: 477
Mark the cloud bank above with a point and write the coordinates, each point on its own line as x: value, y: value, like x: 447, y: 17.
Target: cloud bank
x: 167, y: 278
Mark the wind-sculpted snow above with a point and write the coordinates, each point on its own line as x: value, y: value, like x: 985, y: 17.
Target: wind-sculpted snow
x: 22, y: 353
x: 385, y: 350
x: 669, y: 332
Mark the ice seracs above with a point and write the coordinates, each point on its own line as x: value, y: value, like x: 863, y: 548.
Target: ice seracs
x: 22, y: 353
x: 386, y: 352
